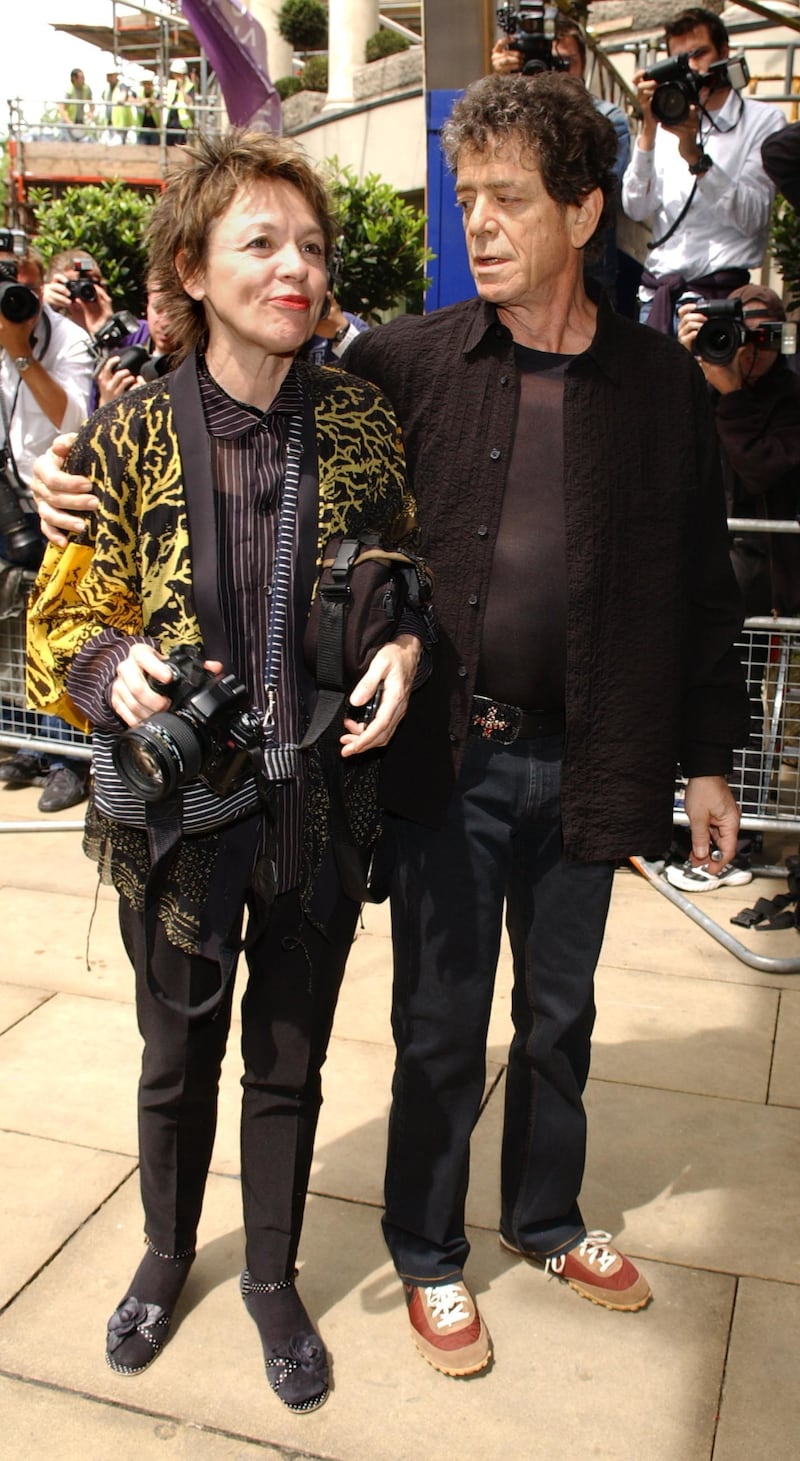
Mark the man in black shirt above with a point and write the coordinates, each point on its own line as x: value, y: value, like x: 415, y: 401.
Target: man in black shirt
x: 566, y: 479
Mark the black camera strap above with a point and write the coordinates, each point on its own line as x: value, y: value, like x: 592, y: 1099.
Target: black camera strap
x: 655, y: 243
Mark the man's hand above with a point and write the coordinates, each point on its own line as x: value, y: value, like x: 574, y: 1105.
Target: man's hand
x: 724, y: 378
x: 394, y: 667
x: 644, y: 93
x: 504, y: 61
x: 686, y: 133
x: 133, y: 699
x: 113, y: 382
x: 58, y: 496
x: 334, y: 320
x: 712, y: 813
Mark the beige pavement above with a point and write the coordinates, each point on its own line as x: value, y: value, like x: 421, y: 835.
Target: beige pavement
x: 694, y: 1107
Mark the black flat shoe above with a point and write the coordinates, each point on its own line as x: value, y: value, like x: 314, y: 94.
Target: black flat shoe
x: 136, y: 1335
x: 297, y: 1367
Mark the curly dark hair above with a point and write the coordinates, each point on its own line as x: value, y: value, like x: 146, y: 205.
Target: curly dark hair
x: 202, y: 186
x: 555, y: 121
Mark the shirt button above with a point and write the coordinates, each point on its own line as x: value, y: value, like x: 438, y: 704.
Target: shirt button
x: 504, y: 380
x: 495, y: 453
x: 453, y: 738
x: 483, y: 530
x: 462, y: 670
x: 473, y: 599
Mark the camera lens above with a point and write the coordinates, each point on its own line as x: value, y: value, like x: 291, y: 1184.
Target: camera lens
x: 670, y: 104
x: 17, y: 302
x: 158, y: 756
x: 87, y: 292
x: 717, y: 341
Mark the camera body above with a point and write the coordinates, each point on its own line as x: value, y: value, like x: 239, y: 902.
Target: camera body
x: 678, y: 87
x: 17, y: 301
x: 83, y: 287
x: 532, y: 30
x: 115, y: 329
x: 210, y: 732
x: 23, y: 544
x: 725, y: 331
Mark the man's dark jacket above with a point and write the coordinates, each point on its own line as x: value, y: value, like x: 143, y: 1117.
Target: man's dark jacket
x: 653, y: 609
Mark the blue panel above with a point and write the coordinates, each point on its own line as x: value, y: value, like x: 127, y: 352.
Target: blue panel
x: 449, y: 271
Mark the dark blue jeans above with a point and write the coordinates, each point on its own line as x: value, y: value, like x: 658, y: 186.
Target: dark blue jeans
x: 501, y: 842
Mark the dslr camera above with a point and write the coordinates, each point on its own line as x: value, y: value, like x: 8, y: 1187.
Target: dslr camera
x: 82, y: 287
x: 532, y: 28
x: 117, y: 328
x: 22, y: 541
x: 725, y: 331
x: 210, y: 732
x: 678, y: 87
x: 17, y: 302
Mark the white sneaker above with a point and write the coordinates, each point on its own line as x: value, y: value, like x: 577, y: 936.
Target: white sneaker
x: 700, y: 880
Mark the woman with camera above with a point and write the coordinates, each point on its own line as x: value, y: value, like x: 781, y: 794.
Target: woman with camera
x: 216, y: 489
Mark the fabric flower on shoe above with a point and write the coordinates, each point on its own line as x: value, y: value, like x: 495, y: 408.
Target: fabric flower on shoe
x: 130, y: 1317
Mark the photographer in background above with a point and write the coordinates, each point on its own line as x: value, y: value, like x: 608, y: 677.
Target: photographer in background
x: 699, y: 179
x: 45, y: 379
x: 567, y: 52
x: 780, y: 155
x: 74, y: 287
x: 757, y: 408
x: 140, y: 356
x: 756, y: 399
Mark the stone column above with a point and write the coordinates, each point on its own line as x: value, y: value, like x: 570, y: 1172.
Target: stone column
x: 279, y: 52
x: 350, y: 23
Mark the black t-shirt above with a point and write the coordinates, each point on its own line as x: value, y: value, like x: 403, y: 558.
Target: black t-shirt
x: 523, y: 648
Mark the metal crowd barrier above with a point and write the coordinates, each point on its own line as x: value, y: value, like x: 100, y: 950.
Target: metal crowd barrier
x: 766, y: 778
x: 20, y: 728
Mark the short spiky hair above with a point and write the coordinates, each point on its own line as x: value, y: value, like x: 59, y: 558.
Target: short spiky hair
x: 210, y: 174
x: 553, y: 118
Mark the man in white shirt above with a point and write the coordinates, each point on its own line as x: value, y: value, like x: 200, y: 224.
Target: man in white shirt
x: 45, y: 378
x: 45, y: 374
x: 700, y: 181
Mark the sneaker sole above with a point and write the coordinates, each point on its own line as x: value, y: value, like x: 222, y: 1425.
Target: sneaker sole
x: 708, y: 885
x: 438, y: 1357
x: 595, y: 1296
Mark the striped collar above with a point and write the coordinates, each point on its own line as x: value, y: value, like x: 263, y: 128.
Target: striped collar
x: 228, y: 418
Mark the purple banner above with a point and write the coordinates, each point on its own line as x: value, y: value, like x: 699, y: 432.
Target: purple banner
x: 236, y: 47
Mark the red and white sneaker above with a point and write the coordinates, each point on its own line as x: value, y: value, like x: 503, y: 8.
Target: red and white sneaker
x: 596, y: 1270
x: 447, y: 1328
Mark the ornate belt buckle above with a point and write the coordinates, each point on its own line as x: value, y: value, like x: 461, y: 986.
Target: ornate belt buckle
x: 500, y: 723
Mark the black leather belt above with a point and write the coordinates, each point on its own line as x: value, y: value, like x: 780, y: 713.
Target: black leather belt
x: 506, y: 723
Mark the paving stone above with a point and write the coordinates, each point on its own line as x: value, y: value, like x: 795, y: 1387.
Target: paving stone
x: 69, y: 1072
x: 16, y: 1002
x: 760, y: 1410
x: 48, y: 1189
x: 48, y: 1425
x: 784, y: 1087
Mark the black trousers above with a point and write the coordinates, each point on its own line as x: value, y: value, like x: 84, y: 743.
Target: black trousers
x: 501, y: 843
x: 294, y: 975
